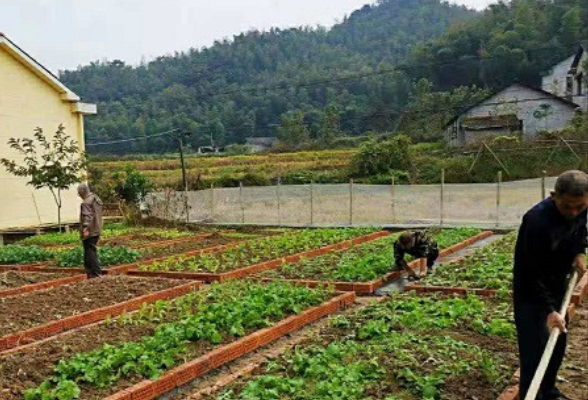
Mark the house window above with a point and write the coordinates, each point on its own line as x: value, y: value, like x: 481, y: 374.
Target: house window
x: 569, y: 86
x: 579, y: 81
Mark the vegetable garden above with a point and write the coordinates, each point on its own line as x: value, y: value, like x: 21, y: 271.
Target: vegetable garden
x: 152, y: 324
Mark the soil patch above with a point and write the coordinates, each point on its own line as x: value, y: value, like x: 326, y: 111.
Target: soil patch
x: 27, y: 311
x: 14, y: 279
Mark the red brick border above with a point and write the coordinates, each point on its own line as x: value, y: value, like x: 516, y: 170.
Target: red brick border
x: 367, y: 288
x: 150, y: 389
x: 41, y: 285
x: 256, y: 268
x: 55, y: 327
x: 22, y: 267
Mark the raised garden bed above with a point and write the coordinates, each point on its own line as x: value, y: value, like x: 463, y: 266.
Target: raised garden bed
x: 406, y: 348
x: 364, y: 268
x: 13, y: 283
x: 45, y: 313
x: 258, y: 255
x: 171, y: 342
x: 487, y: 272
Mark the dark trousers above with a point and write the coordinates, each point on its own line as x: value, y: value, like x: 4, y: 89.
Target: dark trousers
x: 532, y: 332
x: 432, y: 257
x: 91, y: 264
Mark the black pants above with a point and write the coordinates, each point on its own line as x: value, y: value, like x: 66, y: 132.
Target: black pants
x: 532, y: 332
x: 91, y: 264
x: 432, y: 257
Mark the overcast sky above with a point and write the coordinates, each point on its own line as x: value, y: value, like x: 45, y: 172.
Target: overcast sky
x: 63, y: 34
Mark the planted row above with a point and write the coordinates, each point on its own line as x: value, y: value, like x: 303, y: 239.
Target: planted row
x: 361, y: 263
x: 489, y: 267
x: 408, y: 348
x: 181, y: 330
x: 256, y: 251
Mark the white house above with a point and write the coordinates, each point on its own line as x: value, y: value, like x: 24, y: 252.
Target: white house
x: 516, y: 109
x: 569, y: 79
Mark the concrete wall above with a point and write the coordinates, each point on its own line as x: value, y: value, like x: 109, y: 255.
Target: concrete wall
x: 27, y: 102
x: 522, y: 101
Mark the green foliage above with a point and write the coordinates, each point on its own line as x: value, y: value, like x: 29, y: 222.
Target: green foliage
x: 130, y: 185
x: 400, y: 349
x: 225, y: 311
x: 13, y: 254
x: 258, y: 250
x: 361, y: 263
x: 383, y: 157
x: 292, y: 130
x: 106, y: 254
x: 487, y: 268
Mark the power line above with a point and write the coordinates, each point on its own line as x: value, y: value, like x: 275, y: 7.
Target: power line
x: 133, y: 139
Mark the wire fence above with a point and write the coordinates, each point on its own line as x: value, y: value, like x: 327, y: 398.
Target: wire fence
x: 491, y: 205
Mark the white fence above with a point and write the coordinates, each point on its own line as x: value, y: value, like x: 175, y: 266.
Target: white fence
x: 495, y: 205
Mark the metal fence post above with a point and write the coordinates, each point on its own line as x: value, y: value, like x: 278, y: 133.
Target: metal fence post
x: 311, y: 203
x: 498, y: 187
x: 350, y: 201
x: 543, y: 175
x: 392, y: 200
x: 279, y: 201
x: 442, y: 199
x: 212, y: 202
x: 241, y: 206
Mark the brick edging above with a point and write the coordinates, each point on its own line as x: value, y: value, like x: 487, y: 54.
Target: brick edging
x: 22, y: 267
x: 55, y: 327
x: 256, y: 268
x: 179, y: 376
x: 367, y: 288
x: 41, y: 285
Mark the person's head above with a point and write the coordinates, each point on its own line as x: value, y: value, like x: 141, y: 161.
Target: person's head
x: 571, y: 193
x: 83, y: 190
x: 406, y: 240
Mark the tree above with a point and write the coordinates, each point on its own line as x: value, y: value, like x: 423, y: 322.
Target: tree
x: 330, y: 124
x: 55, y: 164
x: 293, y: 131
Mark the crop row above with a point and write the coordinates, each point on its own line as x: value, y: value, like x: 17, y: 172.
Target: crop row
x: 362, y: 263
x: 489, y: 267
x: 406, y: 348
x: 179, y: 330
x: 256, y: 251
x: 204, y: 162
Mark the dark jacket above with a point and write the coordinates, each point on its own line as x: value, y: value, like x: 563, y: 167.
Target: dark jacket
x: 423, y: 245
x: 546, y: 247
x: 91, y: 216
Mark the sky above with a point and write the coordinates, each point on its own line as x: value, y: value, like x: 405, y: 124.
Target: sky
x: 64, y: 34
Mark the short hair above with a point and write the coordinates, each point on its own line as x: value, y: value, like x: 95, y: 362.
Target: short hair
x: 573, y: 183
x: 405, y: 238
x: 83, y: 188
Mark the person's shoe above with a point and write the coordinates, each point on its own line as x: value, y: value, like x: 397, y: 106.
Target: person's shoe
x: 556, y: 394
x: 413, y: 278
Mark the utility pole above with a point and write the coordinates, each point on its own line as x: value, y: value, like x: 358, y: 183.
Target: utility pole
x: 181, y: 137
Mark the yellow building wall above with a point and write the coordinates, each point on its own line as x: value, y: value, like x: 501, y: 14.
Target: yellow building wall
x: 28, y: 102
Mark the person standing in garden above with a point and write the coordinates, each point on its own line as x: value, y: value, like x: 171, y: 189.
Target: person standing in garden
x: 90, y: 229
x: 419, y: 245
x: 551, y: 242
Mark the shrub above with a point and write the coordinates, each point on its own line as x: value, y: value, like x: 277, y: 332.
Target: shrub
x: 23, y: 254
x: 382, y: 157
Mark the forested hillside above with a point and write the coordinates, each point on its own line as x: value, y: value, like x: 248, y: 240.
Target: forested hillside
x: 218, y: 90
x: 357, y: 77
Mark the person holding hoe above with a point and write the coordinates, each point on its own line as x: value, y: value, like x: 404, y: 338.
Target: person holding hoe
x: 551, y: 243
x: 419, y: 245
x: 90, y: 229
